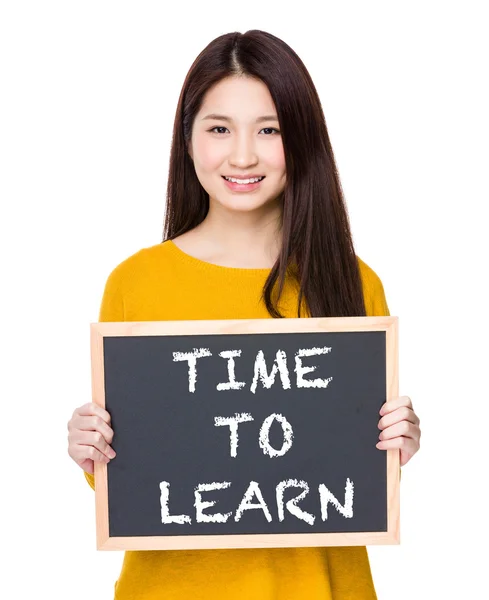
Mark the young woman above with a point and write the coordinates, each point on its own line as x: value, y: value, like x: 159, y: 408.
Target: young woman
x: 256, y: 227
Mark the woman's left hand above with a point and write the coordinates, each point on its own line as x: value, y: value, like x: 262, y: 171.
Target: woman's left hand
x: 400, y: 428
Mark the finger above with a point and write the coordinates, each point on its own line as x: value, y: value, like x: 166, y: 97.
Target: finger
x: 80, y: 453
x: 93, y: 438
x: 401, y: 414
x: 87, y: 465
x: 402, y: 443
x: 90, y: 409
x: 404, y: 428
x: 395, y: 403
x: 92, y: 423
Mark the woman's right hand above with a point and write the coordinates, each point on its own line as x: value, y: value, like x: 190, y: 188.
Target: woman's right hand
x: 89, y: 436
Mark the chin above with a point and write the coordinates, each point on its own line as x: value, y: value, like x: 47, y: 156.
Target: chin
x: 244, y: 203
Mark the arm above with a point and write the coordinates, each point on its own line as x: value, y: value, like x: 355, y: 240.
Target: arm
x: 373, y: 292
x: 111, y: 309
x: 399, y: 424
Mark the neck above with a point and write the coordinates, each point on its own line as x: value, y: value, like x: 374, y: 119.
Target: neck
x: 238, y: 239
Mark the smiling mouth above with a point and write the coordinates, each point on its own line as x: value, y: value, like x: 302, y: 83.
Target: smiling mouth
x: 244, y: 181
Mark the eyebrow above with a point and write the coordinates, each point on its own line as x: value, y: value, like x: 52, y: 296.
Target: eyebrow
x: 215, y: 117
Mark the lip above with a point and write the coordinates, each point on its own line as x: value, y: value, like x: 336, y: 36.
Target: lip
x: 242, y: 187
x: 244, y: 176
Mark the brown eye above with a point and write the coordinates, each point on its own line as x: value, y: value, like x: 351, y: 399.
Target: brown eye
x: 213, y: 130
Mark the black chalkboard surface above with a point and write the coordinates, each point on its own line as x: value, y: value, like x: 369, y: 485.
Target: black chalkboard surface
x: 246, y: 433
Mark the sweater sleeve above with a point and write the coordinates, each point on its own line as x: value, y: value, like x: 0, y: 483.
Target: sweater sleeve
x: 375, y: 300
x: 373, y: 292
x: 112, y: 305
x: 111, y: 309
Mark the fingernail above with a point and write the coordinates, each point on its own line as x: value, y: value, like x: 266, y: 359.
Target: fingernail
x: 111, y: 453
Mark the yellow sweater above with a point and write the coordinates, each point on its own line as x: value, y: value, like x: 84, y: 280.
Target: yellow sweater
x: 164, y: 283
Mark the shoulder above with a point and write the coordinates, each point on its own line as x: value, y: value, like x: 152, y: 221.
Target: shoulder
x: 138, y: 265
x: 370, y: 279
x: 373, y: 290
x: 134, y: 279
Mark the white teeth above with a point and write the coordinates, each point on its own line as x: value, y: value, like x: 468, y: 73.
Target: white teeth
x: 252, y: 180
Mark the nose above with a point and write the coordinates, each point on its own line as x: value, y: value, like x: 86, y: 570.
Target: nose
x: 243, y: 152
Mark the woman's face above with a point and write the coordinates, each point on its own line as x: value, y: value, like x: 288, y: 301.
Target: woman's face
x: 235, y: 135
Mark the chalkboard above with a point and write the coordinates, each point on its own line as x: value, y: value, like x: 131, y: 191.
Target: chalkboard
x: 246, y: 433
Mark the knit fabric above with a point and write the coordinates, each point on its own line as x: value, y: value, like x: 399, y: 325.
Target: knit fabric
x: 160, y: 283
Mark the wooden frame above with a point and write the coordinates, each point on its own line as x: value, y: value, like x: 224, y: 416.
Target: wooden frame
x: 255, y: 326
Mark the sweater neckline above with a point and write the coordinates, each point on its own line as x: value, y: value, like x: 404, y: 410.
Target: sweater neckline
x: 211, y: 267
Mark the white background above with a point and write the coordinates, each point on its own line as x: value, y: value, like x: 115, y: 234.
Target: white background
x: 88, y: 96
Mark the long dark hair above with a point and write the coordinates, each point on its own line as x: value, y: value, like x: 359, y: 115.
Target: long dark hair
x: 317, y: 246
